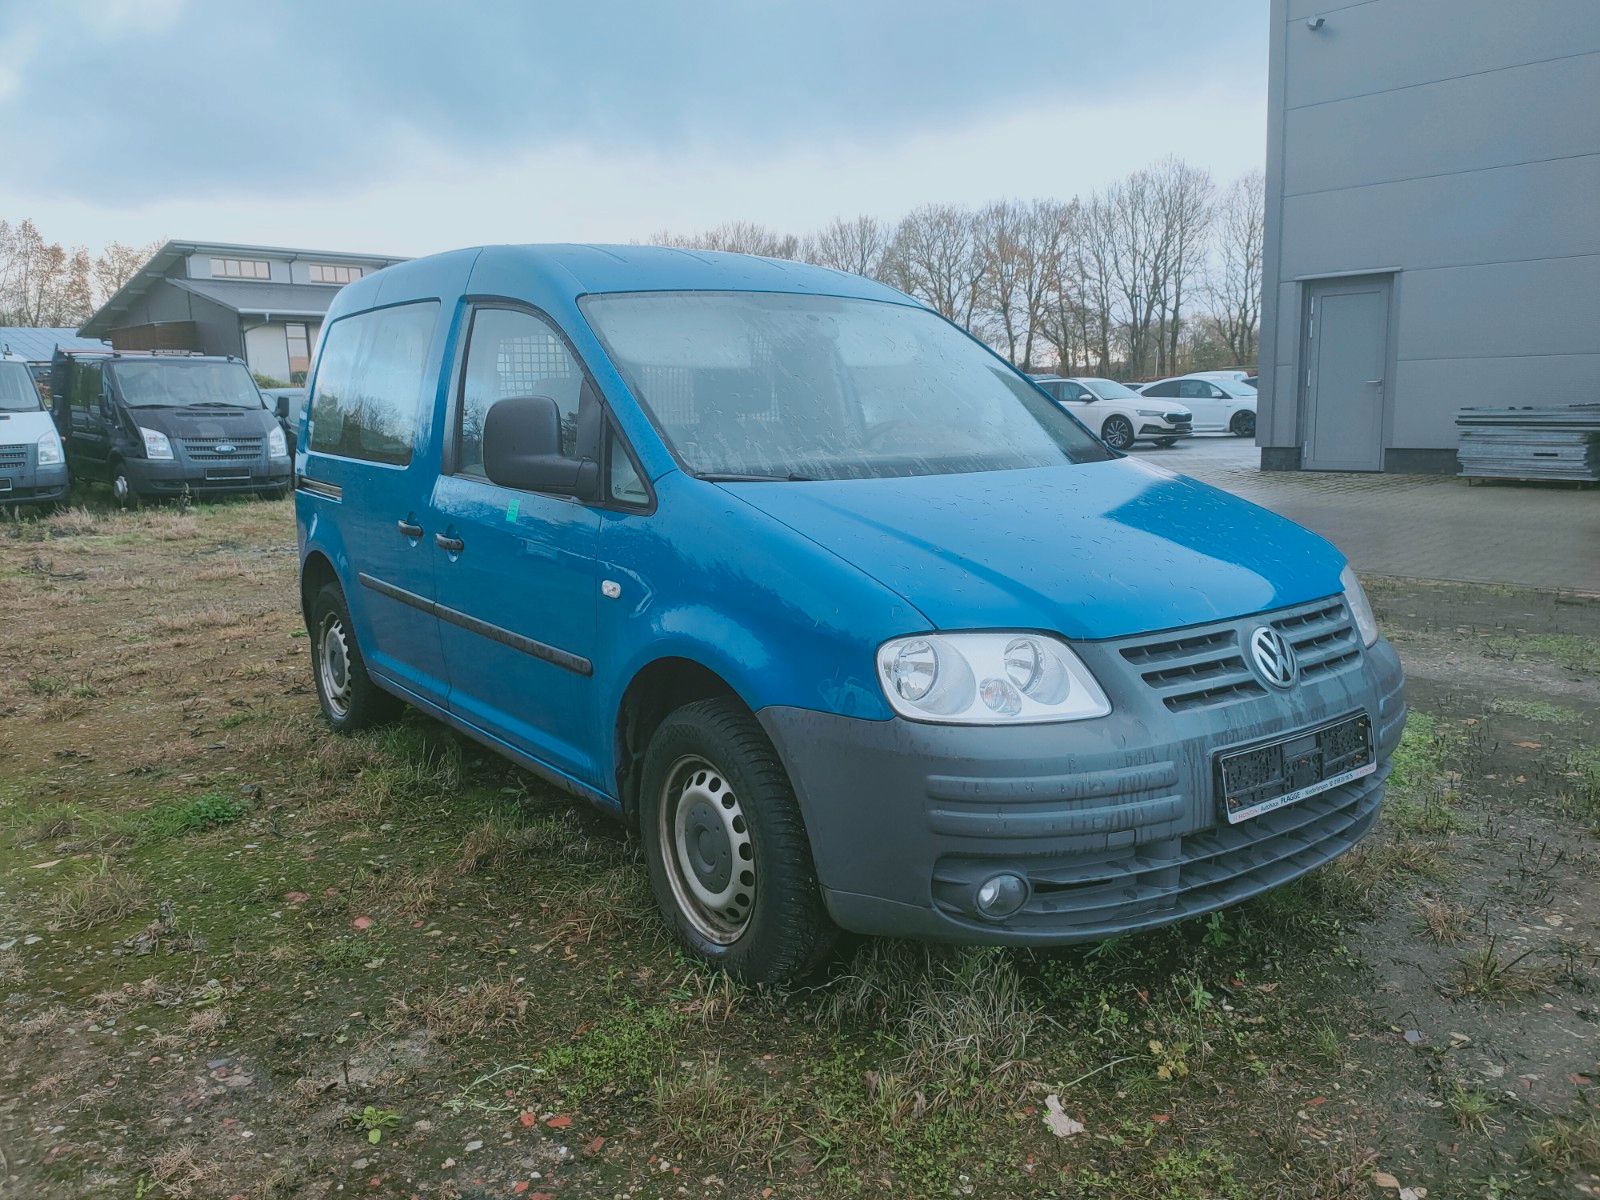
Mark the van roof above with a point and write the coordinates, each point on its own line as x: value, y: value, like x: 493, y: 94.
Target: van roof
x: 580, y: 269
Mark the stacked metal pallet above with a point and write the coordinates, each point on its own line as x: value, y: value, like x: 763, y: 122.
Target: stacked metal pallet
x: 1559, y: 443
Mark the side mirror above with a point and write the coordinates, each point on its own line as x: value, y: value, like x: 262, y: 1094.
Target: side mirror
x: 281, y: 407
x: 522, y: 450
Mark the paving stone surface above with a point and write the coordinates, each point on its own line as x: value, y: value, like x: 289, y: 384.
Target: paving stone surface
x: 1417, y: 526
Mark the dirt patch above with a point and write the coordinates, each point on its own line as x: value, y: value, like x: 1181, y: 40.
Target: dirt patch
x: 240, y: 956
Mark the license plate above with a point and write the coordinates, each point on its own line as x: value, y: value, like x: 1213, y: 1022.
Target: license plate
x: 1264, y: 778
x: 227, y: 472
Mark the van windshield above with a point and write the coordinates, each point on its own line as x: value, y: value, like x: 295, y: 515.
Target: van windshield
x: 174, y: 383
x: 779, y: 386
x: 17, y: 391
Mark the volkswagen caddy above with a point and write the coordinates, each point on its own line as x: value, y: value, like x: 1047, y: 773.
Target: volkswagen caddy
x: 854, y: 624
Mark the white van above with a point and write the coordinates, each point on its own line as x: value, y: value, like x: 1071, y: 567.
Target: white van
x: 33, y: 467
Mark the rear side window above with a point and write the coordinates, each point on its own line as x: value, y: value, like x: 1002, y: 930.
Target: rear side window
x: 371, y: 379
x: 512, y: 352
x: 1163, y: 391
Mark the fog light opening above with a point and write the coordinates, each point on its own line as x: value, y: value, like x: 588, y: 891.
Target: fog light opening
x: 1000, y: 895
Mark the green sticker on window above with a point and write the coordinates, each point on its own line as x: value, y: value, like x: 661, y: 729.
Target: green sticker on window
x: 513, y: 508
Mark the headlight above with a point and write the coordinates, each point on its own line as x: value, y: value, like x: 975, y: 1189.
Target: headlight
x: 49, y: 449
x: 1153, y: 412
x: 156, y: 444
x: 277, y: 444
x: 988, y: 679
x: 1356, y: 600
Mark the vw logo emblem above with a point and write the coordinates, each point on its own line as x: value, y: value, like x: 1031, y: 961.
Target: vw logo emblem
x: 225, y: 447
x: 1274, y: 659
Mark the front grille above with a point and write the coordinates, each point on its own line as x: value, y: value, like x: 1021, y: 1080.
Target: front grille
x: 245, y: 449
x: 1178, y: 418
x: 13, y: 456
x: 1202, y: 668
x: 1324, y: 638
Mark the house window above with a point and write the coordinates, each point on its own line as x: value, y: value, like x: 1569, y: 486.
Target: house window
x: 299, y: 352
x: 328, y: 273
x: 241, y: 268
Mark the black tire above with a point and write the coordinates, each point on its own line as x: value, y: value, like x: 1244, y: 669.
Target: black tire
x: 1117, y: 432
x: 1243, y: 424
x: 350, y: 700
x: 775, y: 928
x: 123, y: 490
x: 1166, y: 443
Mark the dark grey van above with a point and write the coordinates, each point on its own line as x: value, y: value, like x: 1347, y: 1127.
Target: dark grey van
x: 164, y: 424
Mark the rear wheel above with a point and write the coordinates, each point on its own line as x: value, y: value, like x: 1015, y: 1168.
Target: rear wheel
x: 349, y: 698
x: 730, y: 862
x: 1117, y: 432
x: 1243, y: 424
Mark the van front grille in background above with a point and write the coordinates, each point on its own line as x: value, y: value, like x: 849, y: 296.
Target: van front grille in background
x: 245, y: 449
x: 1201, y: 668
x: 13, y: 456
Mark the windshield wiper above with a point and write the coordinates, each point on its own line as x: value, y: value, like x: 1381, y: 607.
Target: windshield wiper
x: 729, y: 477
x: 217, y: 404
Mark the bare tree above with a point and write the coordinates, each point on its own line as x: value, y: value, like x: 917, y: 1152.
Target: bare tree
x: 118, y: 263
x: 934, y: 257
x: 738, y: 237
x: 1234, y: 288
x: 1064, y: 318
x: 1183, y: 198
x: 856, y: 245
x: 999, y: 231
x: 42, y: 283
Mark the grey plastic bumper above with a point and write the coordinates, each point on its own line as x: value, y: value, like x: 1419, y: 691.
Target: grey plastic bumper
x: 1113, y: 822
x: 29, y: 483
x: 157, y: 477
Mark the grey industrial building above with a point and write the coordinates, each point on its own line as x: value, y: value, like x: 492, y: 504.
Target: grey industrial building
x: 1433, y: 224
x: 263, y: 304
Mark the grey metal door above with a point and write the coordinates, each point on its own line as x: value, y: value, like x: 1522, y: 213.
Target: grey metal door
x: 1346, y: 351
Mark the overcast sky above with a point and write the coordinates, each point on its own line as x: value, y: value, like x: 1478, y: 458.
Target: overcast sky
x: 408, y: 126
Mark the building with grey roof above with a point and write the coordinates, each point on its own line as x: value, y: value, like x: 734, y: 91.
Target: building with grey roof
x: 37, y: 343
x: 263, y: 304
x: 1433, y: 224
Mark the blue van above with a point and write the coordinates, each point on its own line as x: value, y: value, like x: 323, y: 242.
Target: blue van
x: 849, y: 619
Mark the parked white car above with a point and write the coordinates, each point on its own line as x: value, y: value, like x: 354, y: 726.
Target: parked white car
x: 1237, y: 374
x: 1218, y: 404
x: 1117, y: 413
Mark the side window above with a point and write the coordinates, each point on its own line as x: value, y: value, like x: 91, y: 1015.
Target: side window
x: 1071, y: 391
x: 622, y: 477
x: 1162, y: 391
x: 370, y: 381
x: 1194, y: 389
x: 1216, y: 393
x: 512, y: 352
x: 85, y: 391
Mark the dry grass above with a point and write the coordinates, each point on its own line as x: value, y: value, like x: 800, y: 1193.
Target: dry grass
x: 206, y: 1022
x: 181, y: 1173
x: 105, y: 893
x: 1443, y: 922
x: 702, y: 1110
x: 466, y: 1010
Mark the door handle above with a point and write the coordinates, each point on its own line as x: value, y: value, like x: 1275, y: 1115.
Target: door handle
x: 1376, y: 382
x: 449, y: 545
x: 410, y: 530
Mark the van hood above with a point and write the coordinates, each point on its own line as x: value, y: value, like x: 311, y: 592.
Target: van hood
x: 205, y: 422
x: 24, y: 426
x: 1099, y: 550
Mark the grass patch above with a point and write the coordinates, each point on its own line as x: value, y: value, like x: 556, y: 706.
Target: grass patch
x: 622, y: 1053
x: 1489, y: 975
x: 467, y: 1010
x: 703, y: 1110
x: 106, y: 893
x: 1567, y: 1145
x: 1571, y: 650
x: 1470, y: 1108
x: 210, y: 811
x: 1541, y: 711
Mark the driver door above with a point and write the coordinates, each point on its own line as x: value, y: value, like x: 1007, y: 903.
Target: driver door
x: 1206, y: 400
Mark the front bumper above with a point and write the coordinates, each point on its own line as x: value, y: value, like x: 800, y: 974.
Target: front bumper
x: 170, y: 477
x: 1114, y: 823
x: 24, y: 481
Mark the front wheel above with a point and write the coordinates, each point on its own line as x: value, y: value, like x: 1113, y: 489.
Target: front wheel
x: 1117, y: 432
x: 349, y: 698
x: 730, y: 862
x: 122, y: 489
x: 1243, y: 424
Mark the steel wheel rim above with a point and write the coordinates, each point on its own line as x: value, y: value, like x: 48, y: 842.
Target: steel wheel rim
x: 333, y: 665
x: 1119, y: 434
x: 120, y: 488
x: 707, y: 850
